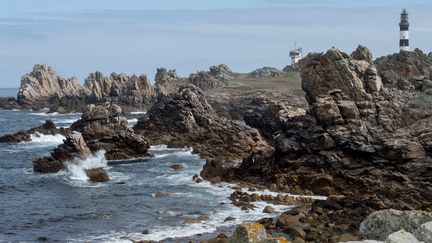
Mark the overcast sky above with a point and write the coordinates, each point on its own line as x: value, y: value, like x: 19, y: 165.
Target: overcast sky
x: 137, y: 36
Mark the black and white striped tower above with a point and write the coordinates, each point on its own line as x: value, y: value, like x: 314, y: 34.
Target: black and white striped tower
x: 404, y: 31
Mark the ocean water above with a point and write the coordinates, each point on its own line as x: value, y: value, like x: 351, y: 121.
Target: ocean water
x: 8, y: 92
x: 66, y: 207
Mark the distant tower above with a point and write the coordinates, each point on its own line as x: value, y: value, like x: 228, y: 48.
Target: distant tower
x: 404, y: 31
x: 296, y: 55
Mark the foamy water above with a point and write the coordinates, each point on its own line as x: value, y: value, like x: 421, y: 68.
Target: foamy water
x: 138, y: 112
x: 48, y: 140
x: 77, y: 167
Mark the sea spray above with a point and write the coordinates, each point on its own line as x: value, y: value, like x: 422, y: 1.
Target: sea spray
x: 39, y: 138
x: 77, y: 167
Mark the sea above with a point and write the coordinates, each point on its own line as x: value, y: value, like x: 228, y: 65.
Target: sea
x: 142, y: 195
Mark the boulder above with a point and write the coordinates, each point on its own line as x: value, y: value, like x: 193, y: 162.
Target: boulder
x: 379, y: 225
x: 216, y: 77
x: 424, y: 232
x: 97, y: 175
x: 103, y: 128
x: 362, y: 53
x: 401, y: 237
x: 269, y: 209
x: 249, y: 233
x: 164, y: 79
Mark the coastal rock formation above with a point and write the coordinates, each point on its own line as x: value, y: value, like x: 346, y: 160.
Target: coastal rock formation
x: 9, y: 103
x: 164, y: 79
x: 103, y: 128
x: 187, y: 119
x: 97, y: 175
x: 406, y: 70
x: 216, y: 77
x: 48, y: 128
x: 125, y: 90
x: 44, y: 88
x: 266, y: 72
x: 359, y: 138
x: 73, y: 147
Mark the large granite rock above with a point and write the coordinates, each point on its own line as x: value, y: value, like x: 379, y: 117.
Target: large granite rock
x: 44, y: 88
x: 379, y: 225
x: 103, y: 128
x: 73, y: 147
x: 249, y: 233
x: 48, y: 128
x: 125, y: 90
x: 186, y: 119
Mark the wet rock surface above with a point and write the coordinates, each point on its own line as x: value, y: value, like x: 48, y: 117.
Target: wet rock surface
x: 97, y: 175
x: 73, y: 147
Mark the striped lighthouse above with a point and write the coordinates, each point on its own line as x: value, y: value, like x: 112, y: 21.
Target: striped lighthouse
x: 404, y: 31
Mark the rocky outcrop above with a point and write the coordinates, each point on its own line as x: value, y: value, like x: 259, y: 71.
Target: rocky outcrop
x: 48, y: 128
x: 406, y: 70
x: 358, y: 138
x: 164, y: 80
x: 266, y: 72
x: 186, y: 119
x: 103, y: 128
x: 73, y: 147
x: 134, y: 91
x: 44, y: 88
x: 9, y: 103
x: 216, y: 77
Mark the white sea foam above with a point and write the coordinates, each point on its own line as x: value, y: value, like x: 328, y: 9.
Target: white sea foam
x: 138, y: 112
x: 162, y: 147
x: 77, y: 167
x: 132, y: 121
x: 39, y: 113
x: 39, y: 138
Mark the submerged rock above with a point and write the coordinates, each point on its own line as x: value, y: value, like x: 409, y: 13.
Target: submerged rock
x: 97, y: 175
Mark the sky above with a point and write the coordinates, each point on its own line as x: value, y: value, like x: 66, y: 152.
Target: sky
x: 137, y: 36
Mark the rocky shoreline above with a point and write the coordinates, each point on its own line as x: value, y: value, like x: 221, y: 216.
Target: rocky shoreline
x: 361, y: 138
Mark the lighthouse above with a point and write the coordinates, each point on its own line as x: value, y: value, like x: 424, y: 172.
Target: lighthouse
x: 404, y: 31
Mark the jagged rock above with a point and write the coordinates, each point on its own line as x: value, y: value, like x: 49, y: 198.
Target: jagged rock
x: 379, y: 225
x: 48, y: 128
x: 163, y: 79
x: 97, y: 175
x: 104, y: 129
x: 43, y: 87
x: 406, y: 70
x: 249, y: 233
x: 73, y: 147
x: 401, y: 237
x: 186, y: 119
x: 265, y: 72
